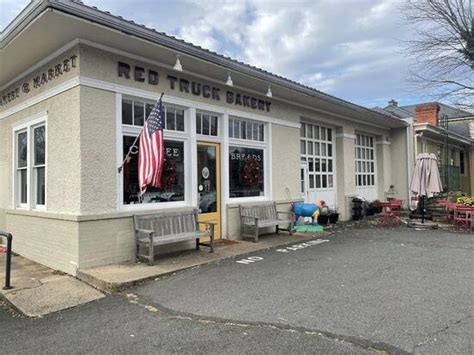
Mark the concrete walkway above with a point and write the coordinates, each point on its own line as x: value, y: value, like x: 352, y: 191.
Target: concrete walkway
x: 38, y: 290
x: 113, y: 278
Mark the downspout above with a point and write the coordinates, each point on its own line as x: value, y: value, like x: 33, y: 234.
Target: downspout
x: 411, y: 163
x: 416, y: 143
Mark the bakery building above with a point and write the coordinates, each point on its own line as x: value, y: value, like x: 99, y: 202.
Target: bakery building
x: 73, y: 101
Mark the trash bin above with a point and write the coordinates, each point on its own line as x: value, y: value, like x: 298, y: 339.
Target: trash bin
x: 357, y: 209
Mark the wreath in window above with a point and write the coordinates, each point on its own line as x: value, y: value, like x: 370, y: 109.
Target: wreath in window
x: 169, y: 174
x: 252, y: 173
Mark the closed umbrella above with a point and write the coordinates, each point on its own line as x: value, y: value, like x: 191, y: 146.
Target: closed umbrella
x: 426, y: 181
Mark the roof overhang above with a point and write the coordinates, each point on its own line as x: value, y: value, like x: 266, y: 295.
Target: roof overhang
x: 438, y: 134
x: 44, y: 27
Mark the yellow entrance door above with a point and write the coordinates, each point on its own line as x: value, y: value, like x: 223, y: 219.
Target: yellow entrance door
x: 209, y: 186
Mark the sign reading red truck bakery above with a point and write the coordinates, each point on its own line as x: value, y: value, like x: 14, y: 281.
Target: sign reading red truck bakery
x: 195, y: 88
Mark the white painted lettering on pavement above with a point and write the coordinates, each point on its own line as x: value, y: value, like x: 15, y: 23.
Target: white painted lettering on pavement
x: 249, y: 260
x: 309, y: 243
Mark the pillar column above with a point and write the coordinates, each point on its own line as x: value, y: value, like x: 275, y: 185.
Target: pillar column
x: 384, y: 166
x: 345, y: 170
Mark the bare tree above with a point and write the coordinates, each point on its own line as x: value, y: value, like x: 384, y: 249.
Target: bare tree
x: 443, y: 48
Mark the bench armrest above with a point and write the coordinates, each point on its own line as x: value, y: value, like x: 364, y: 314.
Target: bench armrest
x: 145, y: 231
x: 210, y: 225
x: 149, y: 233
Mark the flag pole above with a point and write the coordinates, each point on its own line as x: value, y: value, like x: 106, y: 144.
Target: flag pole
x: 130, y: 150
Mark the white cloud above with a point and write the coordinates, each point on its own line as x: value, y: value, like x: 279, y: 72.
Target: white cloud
x: 9, y: 9
x: 348, y: 48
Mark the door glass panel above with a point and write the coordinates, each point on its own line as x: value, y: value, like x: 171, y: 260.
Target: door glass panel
x: 207, y: 191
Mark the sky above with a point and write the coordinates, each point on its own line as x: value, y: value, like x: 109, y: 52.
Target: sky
x: 351, y: 49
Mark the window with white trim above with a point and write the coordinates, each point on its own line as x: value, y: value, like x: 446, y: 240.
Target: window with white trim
x: 30, y: 165
x: 247, y: 155
x: 173, y: 180
x: 241, y: 128
x: 134, y: 113
x: 316, y: 145
x: 207, y: 124
x: 365, y: 160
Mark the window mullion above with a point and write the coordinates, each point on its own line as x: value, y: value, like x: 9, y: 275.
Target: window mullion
x: 29, y: 161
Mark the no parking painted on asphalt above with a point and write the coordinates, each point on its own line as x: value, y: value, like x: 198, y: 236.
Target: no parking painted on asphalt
x: 288, y: 249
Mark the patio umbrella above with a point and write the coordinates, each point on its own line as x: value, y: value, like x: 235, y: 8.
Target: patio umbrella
x: 426, y: 181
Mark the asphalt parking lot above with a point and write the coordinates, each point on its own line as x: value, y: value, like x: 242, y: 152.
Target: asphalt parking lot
x: 410, y: 290
x: 361, y: 290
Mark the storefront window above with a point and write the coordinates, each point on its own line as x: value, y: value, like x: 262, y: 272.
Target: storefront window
x: 246, y: 172
x: 316, y: 148
x: 365, y: 160
x: 207, y: 124
x: 172, y: 181
x: 134, y: 113
x: 240, y: 128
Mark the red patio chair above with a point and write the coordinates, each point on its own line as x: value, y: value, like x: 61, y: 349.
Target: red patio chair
x: 463, y: 217
x: 450, y: 207
x: 391, y: 212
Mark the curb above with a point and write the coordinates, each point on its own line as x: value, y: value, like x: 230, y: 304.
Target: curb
x: 11, y: 306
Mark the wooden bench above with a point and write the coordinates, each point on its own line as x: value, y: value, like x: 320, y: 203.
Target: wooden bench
x: 166, y: 228
x: 253, y: 217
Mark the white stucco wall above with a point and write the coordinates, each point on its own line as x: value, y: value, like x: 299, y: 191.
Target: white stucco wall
x: 98, y: 151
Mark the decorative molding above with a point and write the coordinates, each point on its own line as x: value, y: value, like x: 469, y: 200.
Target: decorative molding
x: 345, y: 135
x: 69, y: 84
x: 125, y: 90
x: 30, y: 120
x: 383, y: 142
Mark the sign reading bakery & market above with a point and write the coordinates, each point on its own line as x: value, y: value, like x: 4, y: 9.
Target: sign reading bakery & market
x: 193, y: 87
x: 39, y: 80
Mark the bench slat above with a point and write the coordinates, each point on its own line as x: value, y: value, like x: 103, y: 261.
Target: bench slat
x: 175, y: 238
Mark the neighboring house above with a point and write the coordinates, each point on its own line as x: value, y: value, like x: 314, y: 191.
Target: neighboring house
x: 453, y: 147
x: 75, y: 86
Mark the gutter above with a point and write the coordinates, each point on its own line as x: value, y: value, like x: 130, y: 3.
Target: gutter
x: 131, y: 28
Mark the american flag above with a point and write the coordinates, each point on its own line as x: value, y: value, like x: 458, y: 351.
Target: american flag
x: 151, y: 150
